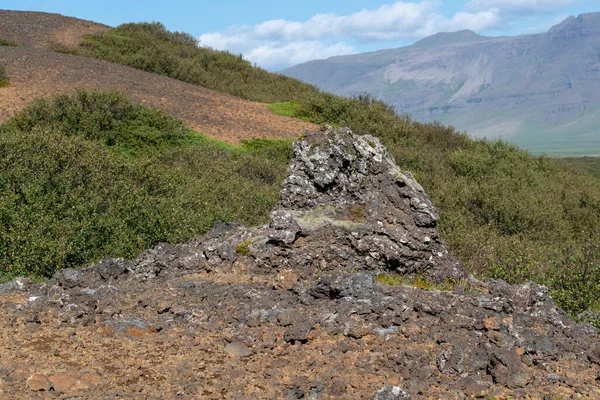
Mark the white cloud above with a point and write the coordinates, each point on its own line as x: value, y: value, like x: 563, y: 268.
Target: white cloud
x: 280, y: 43
x: 292, y: 53
x: 522, y: 6
x: 462, y: 20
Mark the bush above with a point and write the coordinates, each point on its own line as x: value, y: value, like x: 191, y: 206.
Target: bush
x: 150, y: 47
x: 70, y: 194
x: 3, y: 77
x: 6, y: 42
x: 108, y: 116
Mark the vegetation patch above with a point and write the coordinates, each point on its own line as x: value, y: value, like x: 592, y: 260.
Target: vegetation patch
x: 589, y: 164
x: 6, y: 42
x: 417, y: 281
x: 356, y: 212
x: 150, y: 47
x: 3, y: 78
x: 289, y: 109
x: 94, y: 174
x: 243, y: 248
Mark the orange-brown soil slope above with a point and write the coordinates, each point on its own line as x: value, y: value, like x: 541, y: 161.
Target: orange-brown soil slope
x: 34, y: 71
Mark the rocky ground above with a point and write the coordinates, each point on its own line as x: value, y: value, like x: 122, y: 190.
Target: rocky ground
x: 273, y: 312
x: 45, y: 30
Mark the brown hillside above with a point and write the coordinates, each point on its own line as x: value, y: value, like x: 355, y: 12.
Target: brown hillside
x: 34, y: 71
x: 38, y: 29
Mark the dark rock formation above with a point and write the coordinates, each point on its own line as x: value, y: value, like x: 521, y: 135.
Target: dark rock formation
x: 356, y: 209
x: 292, y: 309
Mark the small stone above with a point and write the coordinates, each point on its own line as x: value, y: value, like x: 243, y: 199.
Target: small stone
x: 80, y: 385
x: 287, y: 318
x: 139, y: 332
x: 38, y: 382
x: 63, y: 382
x: 237, y: 350
x: 163, y: 307
x: 594, y: 354
x: 178, y: 311
x: 491, y: 324
x: 295, y: 393
x: 389, y: 392
x: 92, y: 378
x: 104, y: 330
x: 297, y: 333
x: 286, y: 280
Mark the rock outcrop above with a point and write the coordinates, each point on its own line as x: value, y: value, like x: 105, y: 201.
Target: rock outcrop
x: 293, y: 309
x: 356, y: 209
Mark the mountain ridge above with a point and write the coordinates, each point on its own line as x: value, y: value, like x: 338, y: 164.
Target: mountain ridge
x: 488, y: 86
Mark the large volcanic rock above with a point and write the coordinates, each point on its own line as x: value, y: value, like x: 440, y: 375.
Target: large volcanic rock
x: 356, y: 209
x: 344, y: 205
x: 292, y: 310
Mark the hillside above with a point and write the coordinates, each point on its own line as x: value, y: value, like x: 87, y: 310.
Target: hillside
x: 34, y: 73
x: 503, y: 213
x: 44, y: 30
x: 490, y: 87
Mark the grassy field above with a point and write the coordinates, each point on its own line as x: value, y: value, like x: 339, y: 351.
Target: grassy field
x: 504, y: 212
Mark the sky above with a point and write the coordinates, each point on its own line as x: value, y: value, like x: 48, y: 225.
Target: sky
x: 279, y: 34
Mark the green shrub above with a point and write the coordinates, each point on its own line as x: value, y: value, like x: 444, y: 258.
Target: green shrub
x: 70, y: 195
x: 6, y: 42
x: 3, y: 77
x: 243, y: 247
x: 150, y: 47
x: 106, y: 116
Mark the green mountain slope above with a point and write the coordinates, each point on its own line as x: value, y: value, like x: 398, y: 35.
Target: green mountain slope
x: 150, y: 47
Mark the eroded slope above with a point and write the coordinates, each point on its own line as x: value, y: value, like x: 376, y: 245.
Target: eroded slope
x: 36, y: 72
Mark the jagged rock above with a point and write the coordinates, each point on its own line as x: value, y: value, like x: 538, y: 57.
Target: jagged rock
x: 18, y: 284
x: 356, y: 209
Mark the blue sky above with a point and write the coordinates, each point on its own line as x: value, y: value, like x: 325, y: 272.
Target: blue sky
x: 278, y: 34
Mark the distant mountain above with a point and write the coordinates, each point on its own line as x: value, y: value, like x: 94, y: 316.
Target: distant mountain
x: 540, y: 91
